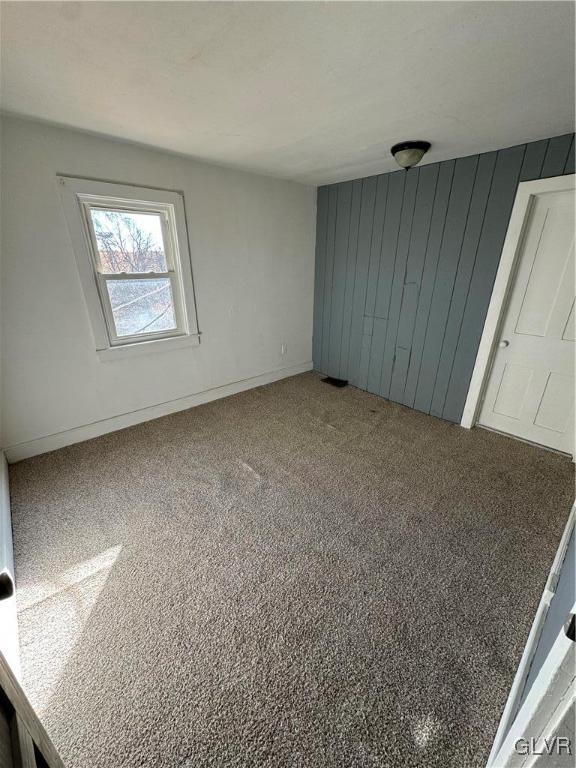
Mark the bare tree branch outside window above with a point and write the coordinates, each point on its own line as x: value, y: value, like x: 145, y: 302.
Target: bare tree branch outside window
x: 132, y: 243
x: 125, y: 244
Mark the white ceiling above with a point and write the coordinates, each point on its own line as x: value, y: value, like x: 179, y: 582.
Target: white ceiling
x: 316, y: 92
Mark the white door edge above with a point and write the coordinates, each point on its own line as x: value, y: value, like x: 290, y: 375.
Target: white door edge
x: 510, y: 710
x: 553, y: 689
x: 527, y: 190
x: 563, y: 709
x: 9, y: 646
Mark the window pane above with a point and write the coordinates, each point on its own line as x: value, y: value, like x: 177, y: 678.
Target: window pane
x: 141, y: 306
x: 129, y: 241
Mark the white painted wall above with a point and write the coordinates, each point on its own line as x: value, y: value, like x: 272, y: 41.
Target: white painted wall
x: 252, y: 249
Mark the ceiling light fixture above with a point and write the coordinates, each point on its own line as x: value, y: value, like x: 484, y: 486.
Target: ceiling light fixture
x: 409, y: 153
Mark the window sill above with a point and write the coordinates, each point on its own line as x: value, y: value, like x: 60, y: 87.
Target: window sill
x: 147, y: 347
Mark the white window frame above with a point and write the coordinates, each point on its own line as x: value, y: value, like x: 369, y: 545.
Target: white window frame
x: 78, y: 197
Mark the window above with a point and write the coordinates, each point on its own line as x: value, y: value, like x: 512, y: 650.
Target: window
x: 132, y: 254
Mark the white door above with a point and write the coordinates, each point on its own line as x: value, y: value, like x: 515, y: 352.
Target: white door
x: 530, y: 389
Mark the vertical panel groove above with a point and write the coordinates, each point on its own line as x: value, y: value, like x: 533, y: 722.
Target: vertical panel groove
x: 365, y: 235
x: 330, y: 248
x: 556, y: 156
x: 456, y: 267
x: 392, y: 273
x: 429, y: 229
x: 390, y: 352
x: 388, y: 246
x: 435, y: 277
x: 319, y: 276
x: 569, y: 165
x: 441, y: 200
x: 468, y: 286
x: 371, y: 240
x: 533, y: 162
x: 377, y: 255
x: 354, y: 233
x: 330, y: 367
x: 340, y: 276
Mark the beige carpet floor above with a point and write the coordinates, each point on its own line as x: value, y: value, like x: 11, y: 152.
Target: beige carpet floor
x: 294, y: 576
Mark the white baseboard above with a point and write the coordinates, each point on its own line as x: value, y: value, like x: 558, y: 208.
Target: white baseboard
x: 52, y: 442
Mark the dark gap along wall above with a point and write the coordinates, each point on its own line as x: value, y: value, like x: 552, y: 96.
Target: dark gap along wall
x: 405, y: 264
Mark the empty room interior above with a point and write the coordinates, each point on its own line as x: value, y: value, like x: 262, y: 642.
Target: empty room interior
x: 287, y: 384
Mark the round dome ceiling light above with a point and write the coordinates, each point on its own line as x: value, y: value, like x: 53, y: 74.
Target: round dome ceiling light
x: 409, y: 153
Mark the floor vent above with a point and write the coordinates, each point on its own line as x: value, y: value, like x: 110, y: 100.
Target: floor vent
x: 335, y: 382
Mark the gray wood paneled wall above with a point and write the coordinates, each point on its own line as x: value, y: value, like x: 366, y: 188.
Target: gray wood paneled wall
x: 405, y: 264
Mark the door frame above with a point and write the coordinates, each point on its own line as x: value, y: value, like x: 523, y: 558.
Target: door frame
x: 523, y: 203
x: 544, y: 697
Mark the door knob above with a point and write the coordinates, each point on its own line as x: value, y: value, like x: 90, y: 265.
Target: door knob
x: 503, y: 343
x: 570, y: 627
